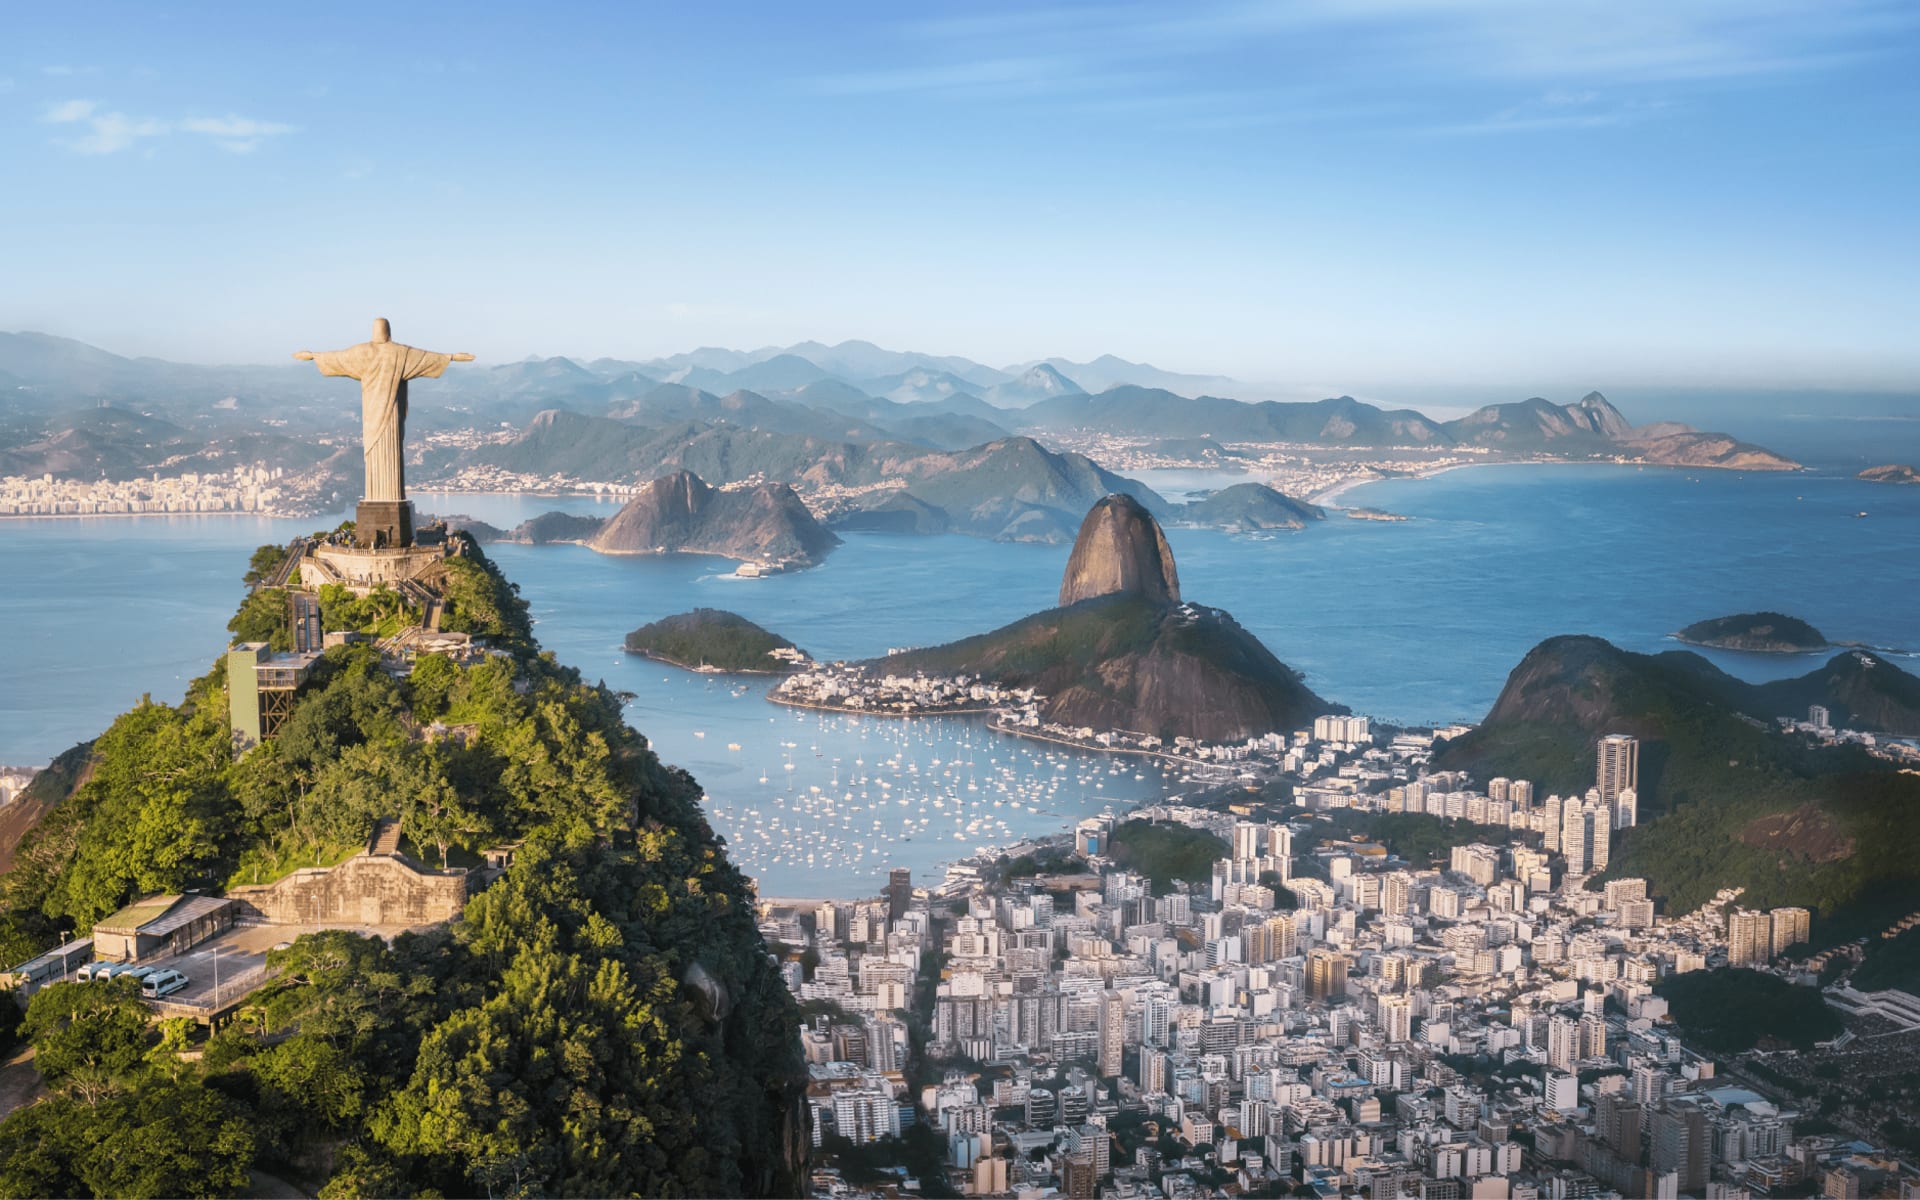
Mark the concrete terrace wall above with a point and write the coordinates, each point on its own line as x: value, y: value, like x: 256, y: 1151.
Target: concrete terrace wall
x: 367, y: 889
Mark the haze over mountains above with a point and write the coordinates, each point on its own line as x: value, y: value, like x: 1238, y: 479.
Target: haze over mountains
x: 809, y: 414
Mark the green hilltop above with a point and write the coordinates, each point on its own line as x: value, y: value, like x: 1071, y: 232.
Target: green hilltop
x: 1726, y: 799
x: 603, y: 1019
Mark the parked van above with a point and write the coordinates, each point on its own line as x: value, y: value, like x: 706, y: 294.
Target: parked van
x: 162, y: 983
x: 86, y: 973
x: 103, y: 971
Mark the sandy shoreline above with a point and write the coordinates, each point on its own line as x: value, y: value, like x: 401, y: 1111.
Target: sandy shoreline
x: 1327, y: 495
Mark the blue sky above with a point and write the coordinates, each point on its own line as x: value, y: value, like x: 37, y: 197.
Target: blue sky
x: 1355, y: 196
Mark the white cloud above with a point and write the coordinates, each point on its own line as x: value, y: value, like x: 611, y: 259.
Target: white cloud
x: 108, y: 132
x: 239, y: 135
x: 105, y: 132
x: 1439, y: 51
x: 68, y: 110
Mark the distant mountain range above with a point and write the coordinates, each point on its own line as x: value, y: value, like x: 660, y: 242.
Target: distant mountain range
x: 801, y: 405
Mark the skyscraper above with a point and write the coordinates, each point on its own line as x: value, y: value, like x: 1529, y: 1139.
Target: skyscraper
x: 1626, y: 808
x: 1113, y: 1033
x: 899, y: 892
x: 1681, y: 1145
x: 1326, y: 975
x: 1563, y: 1042
x: 1749, y: 938
x: 1619, y: 766
x: 1791, y: 926
x: 1249, y: 840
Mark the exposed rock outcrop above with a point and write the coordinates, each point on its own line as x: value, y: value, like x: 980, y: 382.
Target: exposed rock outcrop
x: 1890, y: 473
x: 679, y: 513
x: 1120, y: 550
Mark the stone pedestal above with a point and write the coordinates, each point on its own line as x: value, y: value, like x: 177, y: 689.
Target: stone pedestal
x: 384, y: 524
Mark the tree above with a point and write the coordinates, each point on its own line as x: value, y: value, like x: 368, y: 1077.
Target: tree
x: 170, y: 1139
x: 308, y: 1076
x: 88, y: 1038
x: 263, y: 617
x: 430, y: 685
x: 265, y: 561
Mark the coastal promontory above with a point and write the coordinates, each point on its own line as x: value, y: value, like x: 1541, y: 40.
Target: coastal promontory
x: 712, y: 639
x: 680, y: 513
x: 1123, y: 652
x: 1755, y: 633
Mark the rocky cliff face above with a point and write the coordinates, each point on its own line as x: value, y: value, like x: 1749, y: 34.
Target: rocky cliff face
x: 1120, y: 550
x: 679, y: 513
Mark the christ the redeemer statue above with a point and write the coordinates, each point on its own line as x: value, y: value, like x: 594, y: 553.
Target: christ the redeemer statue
x: 383, y: 367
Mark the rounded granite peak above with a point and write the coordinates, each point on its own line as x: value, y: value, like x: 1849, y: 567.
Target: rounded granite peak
x: 1120, y: 549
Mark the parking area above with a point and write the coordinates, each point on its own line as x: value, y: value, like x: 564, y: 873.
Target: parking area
x: 224, y: 969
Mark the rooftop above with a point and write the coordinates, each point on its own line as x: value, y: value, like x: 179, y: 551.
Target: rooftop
x: 160, y: 915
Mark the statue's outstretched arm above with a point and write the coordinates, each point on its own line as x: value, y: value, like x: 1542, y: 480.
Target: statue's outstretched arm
x: 332, y: 362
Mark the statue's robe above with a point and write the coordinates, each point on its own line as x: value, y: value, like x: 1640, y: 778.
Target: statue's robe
x: 383, y: 369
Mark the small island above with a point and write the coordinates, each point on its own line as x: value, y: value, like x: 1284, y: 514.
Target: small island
x: 716, y: 641
x: 1755, y: 633
x: 1248, y: 506
x: 1890, y: 473
x: 1374, y: 514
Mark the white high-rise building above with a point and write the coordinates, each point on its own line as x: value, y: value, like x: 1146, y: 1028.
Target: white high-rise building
x: 1618, y: 767
x: 1563, y: 1042
x: 1749, y: 938
x: 1819, y: 717
x: 1626, y: 808
x: 1790, y: 927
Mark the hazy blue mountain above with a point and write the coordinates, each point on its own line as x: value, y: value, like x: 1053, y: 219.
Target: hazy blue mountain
x: 858, y: 360
x: 946, y: 431
x: 1107, y: 371
x: 920, y: 385
x: 1532, y: 424
x: 705, y: 358
x: 1151, y: 412
x: 954, y: 423
x: 672, y: 403
x: 782, y: 372
x: 1035, y: 384
x: 115, y: 443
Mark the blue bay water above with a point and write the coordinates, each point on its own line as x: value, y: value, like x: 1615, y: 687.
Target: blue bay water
x: 1417, y: 621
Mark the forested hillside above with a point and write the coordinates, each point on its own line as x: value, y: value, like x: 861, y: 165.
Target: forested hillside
x: 603, y: 1020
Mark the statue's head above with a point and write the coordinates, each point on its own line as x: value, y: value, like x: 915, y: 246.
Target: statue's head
x: 382, y: 332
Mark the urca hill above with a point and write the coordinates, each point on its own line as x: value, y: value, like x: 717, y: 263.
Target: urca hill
x: 590, y: 1011
x: 1124, y: 651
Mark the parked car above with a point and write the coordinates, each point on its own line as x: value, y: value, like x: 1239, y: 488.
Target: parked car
x: 163, y: 983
